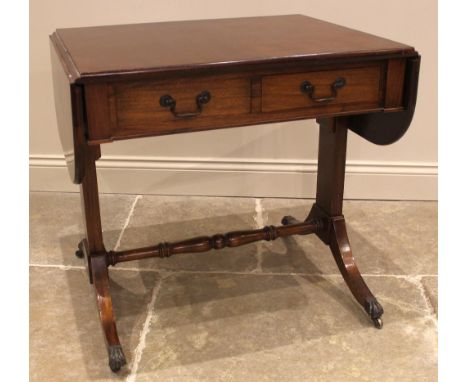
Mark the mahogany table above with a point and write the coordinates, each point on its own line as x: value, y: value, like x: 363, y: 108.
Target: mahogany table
x: 141, y: 80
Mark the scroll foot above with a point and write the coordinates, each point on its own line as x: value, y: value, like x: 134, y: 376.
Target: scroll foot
x: 341, y: 249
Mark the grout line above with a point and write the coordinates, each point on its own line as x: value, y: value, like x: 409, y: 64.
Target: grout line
x: 171, y: 271
x: 127, y: 221
x: 398, y: 276
x: 144, y: 331
x: 183, y: 271
x: 59, y: 266
x: 431, y: 314
x: 259, y: 222
x: 419, y: 284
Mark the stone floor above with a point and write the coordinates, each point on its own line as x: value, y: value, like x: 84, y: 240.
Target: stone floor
x: 270, y: 311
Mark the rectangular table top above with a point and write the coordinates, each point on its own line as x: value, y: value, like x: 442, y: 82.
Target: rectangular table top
x: 92, y: 52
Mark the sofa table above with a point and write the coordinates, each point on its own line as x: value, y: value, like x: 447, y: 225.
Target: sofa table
x: 143, y: 80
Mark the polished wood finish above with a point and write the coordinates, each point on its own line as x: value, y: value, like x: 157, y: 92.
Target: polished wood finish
x: 123, y: 110
x: 341, y: 249
x: 96, y: 259
x: 329, y: 206
x: 113, y: 83
x: 384, y: 129
x: 90, y: 204
x: 106, y: 314
x: 122, y: 74
x: 218, y: 241
x: 132, y: 50
x: 395, y: 81
x: 331, y: 165
x: 362, y: 89
x: 138, y: 110
x: 68, y: 99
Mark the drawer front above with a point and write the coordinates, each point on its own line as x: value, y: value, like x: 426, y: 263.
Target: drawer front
x: 346, y: 89
x: 138, y: 110
x: 129, y: 109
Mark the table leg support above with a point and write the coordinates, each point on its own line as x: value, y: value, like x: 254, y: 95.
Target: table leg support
x: 325, y: 220
x: 218, y: 241
x: 328, y: 206
x: 337, y: 240
x: 341, y: 249
x: 95, y: 256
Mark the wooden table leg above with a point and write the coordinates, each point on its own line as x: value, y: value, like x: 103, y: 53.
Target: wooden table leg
x: 93, y: 250
x: 329, y: 204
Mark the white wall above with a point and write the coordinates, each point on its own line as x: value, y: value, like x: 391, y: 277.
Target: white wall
x: 269, y: 160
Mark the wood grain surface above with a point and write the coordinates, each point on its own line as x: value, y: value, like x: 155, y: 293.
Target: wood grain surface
x: 154, y: 47
x: 282, y: 91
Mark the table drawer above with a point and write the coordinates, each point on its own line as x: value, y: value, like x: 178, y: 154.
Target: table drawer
x: 350, y: 88
x: 175, y: 104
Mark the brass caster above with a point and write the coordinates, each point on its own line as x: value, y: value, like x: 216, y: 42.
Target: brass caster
x: 375, y: 311
x: 378, y: 323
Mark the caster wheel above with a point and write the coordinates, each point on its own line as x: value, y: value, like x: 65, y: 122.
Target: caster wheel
x: 286, y: 220
x: 116, y: 358
x: 378, y: 323
x: 79, y: 253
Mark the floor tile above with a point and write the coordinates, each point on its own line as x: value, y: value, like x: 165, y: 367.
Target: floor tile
x: 56, y: 224
x: 286, y: 328
x: 161, y: 218
x: 66, y: 342
x: 224, y: 315
x: 386, y: 237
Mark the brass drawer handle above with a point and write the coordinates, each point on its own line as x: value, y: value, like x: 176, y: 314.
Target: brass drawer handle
x: 201, y: 99
x: 307, y: 88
